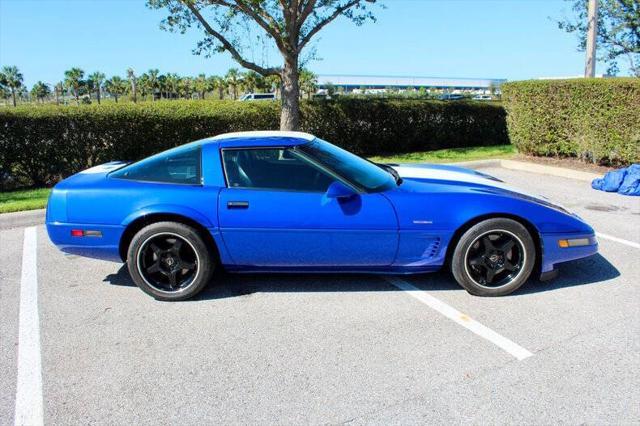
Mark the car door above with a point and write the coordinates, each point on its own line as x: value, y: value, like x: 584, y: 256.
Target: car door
x: 274, y: 212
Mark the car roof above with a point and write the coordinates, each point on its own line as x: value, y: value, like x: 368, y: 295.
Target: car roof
x: 260, y: 138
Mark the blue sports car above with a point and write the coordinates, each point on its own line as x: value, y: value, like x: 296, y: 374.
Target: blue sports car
x: 290, y: 202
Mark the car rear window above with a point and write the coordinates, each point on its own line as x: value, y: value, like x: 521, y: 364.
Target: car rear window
x: 179, y: 166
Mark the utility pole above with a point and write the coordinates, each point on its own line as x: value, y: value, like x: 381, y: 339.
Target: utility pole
x: 592, y: 31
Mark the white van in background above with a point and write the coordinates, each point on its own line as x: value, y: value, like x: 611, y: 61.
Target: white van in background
x: 482, y: 98
x: 258, y: 97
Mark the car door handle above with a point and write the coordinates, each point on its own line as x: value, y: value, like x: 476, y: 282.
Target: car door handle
x: 238, y: 205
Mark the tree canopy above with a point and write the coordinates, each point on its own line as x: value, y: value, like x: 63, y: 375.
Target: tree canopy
x: 12, y: 78
x: 618, y: 34
x: 289, y: 25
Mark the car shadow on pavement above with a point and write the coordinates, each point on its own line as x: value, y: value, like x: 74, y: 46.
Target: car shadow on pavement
x: 593, y: 270
x: 121, y: 277
x: 590, y: 270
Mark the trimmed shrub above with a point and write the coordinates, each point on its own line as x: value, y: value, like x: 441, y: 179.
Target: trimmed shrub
x: 596, y: 120
x: 41, y: 144
x: 384, y: 126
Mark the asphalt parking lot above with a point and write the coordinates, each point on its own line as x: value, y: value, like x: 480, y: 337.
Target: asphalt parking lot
x: 332, y: 349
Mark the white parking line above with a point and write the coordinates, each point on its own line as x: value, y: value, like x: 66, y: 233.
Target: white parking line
x: 617, y: 240
x: 29, y: 384
x: 464, y: 320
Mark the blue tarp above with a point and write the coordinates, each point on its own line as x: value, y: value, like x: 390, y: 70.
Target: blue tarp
x: 623, y: 181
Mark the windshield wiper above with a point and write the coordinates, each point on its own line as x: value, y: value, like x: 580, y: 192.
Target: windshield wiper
x: 393, y: 172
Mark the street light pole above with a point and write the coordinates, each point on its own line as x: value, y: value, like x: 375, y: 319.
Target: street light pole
x: 592, y: 31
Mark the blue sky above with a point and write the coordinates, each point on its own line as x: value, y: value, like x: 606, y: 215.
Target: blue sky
x: 513, y: 39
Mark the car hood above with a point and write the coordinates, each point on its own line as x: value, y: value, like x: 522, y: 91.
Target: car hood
x: 443, y: 174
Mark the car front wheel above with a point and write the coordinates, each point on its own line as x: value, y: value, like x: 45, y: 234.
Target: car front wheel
x: 494, y: 257
x: 169, y: 261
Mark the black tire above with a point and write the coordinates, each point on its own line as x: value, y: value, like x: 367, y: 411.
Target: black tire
x: 494, y: 257
x: 170, y: 261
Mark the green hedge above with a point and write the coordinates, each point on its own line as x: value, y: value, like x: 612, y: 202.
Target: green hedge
x: 41, y: 144
x: 596, y: 120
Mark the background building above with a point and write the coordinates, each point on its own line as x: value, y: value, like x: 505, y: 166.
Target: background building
x: 381, y: 84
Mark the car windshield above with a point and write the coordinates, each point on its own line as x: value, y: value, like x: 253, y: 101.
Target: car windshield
x: 357, y: 170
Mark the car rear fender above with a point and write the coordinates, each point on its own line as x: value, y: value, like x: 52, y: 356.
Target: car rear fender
x: 179, y: 210
x: 171, y: 212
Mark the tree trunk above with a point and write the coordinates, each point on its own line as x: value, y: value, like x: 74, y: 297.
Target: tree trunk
x: 13, y: 96
x: 57, y: 99
x: 134, y: 91
x: 221, y: 92
x: 116, y: 96
x: 76, y: 93
x: 98, y: 95
x: 290, y: 113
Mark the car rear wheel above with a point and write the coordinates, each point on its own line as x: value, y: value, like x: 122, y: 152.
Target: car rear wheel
x: 494, y: 257
x: 170, y: 261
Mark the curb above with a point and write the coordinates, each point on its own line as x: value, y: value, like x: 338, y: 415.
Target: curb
x: 549, y: 170
x: 531, y: 168
x: 478, y: 164
x: 22, y: 219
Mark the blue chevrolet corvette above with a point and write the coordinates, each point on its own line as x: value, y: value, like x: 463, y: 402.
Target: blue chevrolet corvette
x: 290, y: 202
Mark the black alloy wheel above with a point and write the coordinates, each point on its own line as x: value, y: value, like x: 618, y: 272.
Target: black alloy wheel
x: 494, y: 257
x: 170, y: 261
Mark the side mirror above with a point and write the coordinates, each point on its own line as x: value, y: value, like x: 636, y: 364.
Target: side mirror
x: 340, y: 191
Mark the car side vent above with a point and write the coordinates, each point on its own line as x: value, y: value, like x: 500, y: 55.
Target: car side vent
x: 434, y: 247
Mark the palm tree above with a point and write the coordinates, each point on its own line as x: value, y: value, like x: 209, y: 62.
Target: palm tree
x: 59, y: 91
x: 40, y: 90
x: 217, y: 83
x: 308, y: 82
x: 12, y: 78
x: 162, y: 86
x: 97, y: 79
x: 201, y: 84
x: 132, y: 80
x: 73, y: 81
x: 173, y: 83
x: 233, y: 81
x: 116, y: 86
x: 144, y: 86
x: 153, y: 82
x: 4, y: 92
x: 23, y: 93
x: 251, y: 80
x: 186, y: 87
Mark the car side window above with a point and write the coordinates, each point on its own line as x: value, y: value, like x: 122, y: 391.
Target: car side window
x: 179, y: 166
x: 273, y: 168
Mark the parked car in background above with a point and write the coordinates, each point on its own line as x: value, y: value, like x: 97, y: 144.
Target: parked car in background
x: 482, y: 98
x: 290, y: 202
x: 258, y: 97
x: 451, y: 97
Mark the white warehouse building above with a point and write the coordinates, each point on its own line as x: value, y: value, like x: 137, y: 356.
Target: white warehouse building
x: 350, y: 83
